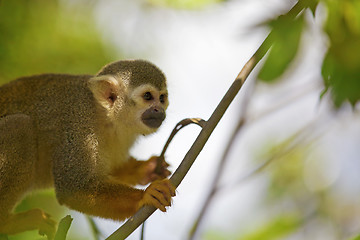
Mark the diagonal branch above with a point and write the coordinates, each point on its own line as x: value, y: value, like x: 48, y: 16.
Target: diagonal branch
x: 220, y: 168
x: 132, y: 223
x: 135, y: 221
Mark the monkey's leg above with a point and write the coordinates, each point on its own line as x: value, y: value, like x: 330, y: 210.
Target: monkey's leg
x: 18, y: 155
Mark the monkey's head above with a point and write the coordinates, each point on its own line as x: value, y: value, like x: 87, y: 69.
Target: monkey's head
x: 133, y: 93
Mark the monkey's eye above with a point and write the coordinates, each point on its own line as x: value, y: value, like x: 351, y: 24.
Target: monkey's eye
x: 162, y: 98
x: 147, y: 96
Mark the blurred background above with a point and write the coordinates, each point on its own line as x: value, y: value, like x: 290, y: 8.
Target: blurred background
x: 292, y: 171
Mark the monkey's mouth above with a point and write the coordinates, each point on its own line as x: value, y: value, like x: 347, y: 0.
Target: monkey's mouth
x: 153, y: 117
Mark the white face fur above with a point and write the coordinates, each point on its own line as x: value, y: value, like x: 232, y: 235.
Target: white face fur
x: 139, y: 111
x: 149, y: 105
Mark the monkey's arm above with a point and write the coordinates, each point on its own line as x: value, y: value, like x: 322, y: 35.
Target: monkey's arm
x: 139, y: 172
x: 115, y: 201
x: 79, y: 186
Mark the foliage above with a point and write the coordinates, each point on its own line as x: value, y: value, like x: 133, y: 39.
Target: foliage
x: 295, y: 187
x: 184, y: 4
x: 63, y: 228
x: 355, y: 238
x: 276, y: 228
x: 45, y: 36
x: 341, y: 65
x: 285, y: 36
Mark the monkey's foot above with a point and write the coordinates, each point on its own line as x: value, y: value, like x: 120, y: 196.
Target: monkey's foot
x: 30, y: 220
x: 158, y: 194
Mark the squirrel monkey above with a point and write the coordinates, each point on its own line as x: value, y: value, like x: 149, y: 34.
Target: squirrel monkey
x: 73, y: 133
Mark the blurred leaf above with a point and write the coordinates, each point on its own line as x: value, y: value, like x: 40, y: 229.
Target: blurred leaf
x: 343, y: 82
x: 341, y: 65
x: 217, y: 235
x: 94, y: 227
x: 285, y: 35
x: 48, y: 36
x: 184, y: 4
x: 312, y: 5
x: 275, y: 229
x: 3, y: 237
x: 286, y: 177
x: 355, y: 238
x: 63, y: 228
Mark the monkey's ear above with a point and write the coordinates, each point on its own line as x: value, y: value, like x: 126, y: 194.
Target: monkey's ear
x: 106, y: 90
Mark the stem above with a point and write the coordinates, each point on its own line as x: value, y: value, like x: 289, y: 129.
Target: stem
x: 220, y: 168
x: 135, y: 221
x: 264, y: 47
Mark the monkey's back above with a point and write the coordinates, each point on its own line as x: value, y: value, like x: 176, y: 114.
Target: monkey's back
x: 58, y: 105
x: 47, y: 98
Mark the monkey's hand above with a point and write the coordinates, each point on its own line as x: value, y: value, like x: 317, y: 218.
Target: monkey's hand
x: 154, y: 169
x: 158, y: 194
x: 140, y: 172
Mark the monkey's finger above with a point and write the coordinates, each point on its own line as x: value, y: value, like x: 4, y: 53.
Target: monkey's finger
x: 151, y: 164
x: 161, y: 198
x: 155, y: 177
x: 166, y: 173
x: 171, y: 187
x: 167, y: 187
x: 162, y: 192
x: 149, y: 199
x: 158, y: 205
x: 165, y: 164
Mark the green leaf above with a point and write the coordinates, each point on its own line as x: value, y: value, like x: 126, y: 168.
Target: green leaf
x: 3, y: 237
x: 344, y: 83
x: 46, y: 36
x: 63, y: 228
x: 285, y: 35
x: 355, y: 238
x: 275, y: 229
x: 341, y: 65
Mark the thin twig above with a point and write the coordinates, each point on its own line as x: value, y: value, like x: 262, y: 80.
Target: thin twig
x: 313, y: 131
x: 265, y: 46
x: 221, y: 166
x: 94, y: 228
x: 142, y: 231
x: 243, y: 121
x: 132, y: 223
x: 183, y: 123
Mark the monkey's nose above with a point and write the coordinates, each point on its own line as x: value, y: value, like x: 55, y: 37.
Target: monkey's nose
x: 153, y: 117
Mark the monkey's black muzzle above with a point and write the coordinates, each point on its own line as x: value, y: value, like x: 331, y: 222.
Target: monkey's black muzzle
x: 153, y: 117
